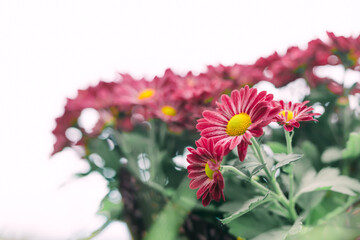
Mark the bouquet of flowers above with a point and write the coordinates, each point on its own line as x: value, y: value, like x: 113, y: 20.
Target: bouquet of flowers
x: 276, y: 169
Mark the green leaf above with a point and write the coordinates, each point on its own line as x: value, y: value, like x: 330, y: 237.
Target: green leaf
x: 285, y: 159
x: 296, y: 227
x: 133, y: 145
x: 247, y: 165
x: 185, y: 196
x: 111, y: 210
x: 310, y: 150
x: 168, y: 222
x: 250, y: 166
x: 282, y: 232
x: 245, y: 208
x: 248, y: 227
x: 328, y: 179
x: 277, y: 147
x: 331, y: 154
x: 278, y: 234
x: 342, y: 224
x: 352, y: 149
x: 101, y: 148
x: 257, y: 169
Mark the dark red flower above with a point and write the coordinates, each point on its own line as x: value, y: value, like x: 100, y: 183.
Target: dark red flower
x: 204, y: 170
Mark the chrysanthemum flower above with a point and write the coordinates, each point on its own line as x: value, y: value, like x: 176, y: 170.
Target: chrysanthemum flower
x: 204, y: 170
x: 238, y: 74
x: 291, y: 114
x: 238, y: 118
x: 131, y: 91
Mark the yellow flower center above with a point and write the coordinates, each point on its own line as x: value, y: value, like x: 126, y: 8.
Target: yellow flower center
x: 238, y: 124
x: 208, y: 171
x: 290, y: 114
x: 343, y: 101
x: 147, y: 93
x: 168, y: 111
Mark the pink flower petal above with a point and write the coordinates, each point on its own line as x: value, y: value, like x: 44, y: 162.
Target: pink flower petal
x: 242, y: 150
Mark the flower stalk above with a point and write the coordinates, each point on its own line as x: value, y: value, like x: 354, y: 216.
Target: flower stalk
x: 292, y: 211
x: 271, y: 177
x: 290, y: 205
x: 263, y: 189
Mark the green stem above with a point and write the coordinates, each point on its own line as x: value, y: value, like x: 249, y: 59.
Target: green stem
x: 256, y: 147
x: 151, y: 151
x: 292, y: 210
x: 288, y: 138
x: 228, y: 168
x: 270, y: 176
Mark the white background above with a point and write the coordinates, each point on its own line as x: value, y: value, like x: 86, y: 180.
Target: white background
x: 49, y: 49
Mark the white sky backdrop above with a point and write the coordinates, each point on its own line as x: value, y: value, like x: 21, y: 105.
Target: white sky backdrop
x: 49, y: 49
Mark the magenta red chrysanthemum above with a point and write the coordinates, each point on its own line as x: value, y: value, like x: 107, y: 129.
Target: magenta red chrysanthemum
x: 238, y: 118
x: 291, y: 114
x: 204, y: 170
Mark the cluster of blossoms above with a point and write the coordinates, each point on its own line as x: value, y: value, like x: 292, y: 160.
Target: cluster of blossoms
x: 127, y: 102
x: 180, y: 100
x: 299, y: 63
x: 237, y: 119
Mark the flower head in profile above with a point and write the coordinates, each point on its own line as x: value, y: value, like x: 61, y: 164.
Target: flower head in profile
x: 204, y: 170
x: 293, y: 113
x: 238, y: 118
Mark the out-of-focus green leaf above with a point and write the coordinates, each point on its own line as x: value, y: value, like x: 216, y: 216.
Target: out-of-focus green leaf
x: 245, y: 208
x: 101, y: 148
x: 276, y: 147
x: 284, y: 159
x: 111, y: 210
x: 131, y: 145
x: 301, y: 167
x: 310, y: 203
x: 331, y: 154
x: 328, y: 179
x: 278, y: 234
x: 344, y: 225
x: 310, y: 150
x: 282, y: 232
x: 328, y: 232
x: 134, y: 145
x: 244, y: 226
x: 352, y: 149
x: 168, y: 222
x: 332, y: 204
x: 184, y: 195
